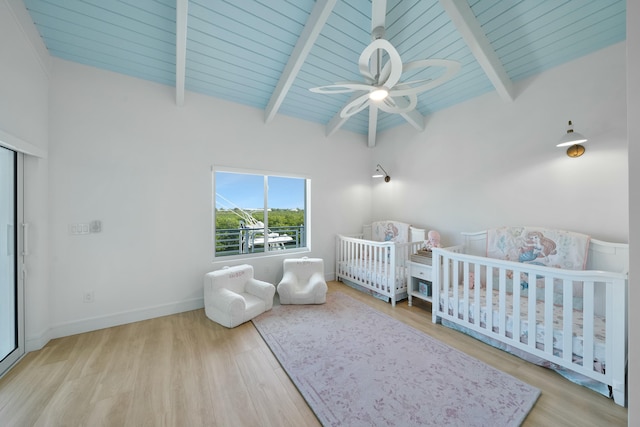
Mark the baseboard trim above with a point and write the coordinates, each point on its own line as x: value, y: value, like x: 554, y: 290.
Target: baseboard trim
x: 100, y: 322
x: 34, y: 343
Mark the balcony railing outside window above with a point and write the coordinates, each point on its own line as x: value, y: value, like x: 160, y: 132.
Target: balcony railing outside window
x: 243, y: 240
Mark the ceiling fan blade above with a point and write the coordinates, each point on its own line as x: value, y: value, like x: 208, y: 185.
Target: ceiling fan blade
x: 391, y: 71
x: 355, y: 106
x: 398, y: 105
x: 342, y: 87
x: 452, y: 68
x: 386, y: 79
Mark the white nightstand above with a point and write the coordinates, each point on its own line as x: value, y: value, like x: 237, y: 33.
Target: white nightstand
x: 419, y: 274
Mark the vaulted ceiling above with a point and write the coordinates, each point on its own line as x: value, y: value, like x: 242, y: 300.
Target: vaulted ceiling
x: 269, y: 53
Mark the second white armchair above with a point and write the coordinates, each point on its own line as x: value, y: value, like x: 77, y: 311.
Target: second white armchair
x: 303, y: 282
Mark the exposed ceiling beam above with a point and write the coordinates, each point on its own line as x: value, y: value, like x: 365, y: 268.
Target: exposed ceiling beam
x: 335, y: 123
x: 312, y: 28
x: 465, y: 21
x: 378, y: 14
x: 415, y: 119
x: 378, y: 19
x: 182, y: 10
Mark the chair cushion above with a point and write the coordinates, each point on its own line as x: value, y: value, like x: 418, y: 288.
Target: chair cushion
x: 254, y: 306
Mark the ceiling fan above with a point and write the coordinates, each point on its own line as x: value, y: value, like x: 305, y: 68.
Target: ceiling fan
x: 382, y: 69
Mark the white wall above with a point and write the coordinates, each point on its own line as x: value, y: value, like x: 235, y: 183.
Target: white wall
x: 24, y: 119
x: 487, y: 162
x: 123, y: 153
x: 24, y: 82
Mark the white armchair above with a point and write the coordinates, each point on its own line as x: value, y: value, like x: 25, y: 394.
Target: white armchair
x: 232, y: 296
x: 303, y: 282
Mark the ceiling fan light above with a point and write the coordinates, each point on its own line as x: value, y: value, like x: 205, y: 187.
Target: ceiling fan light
x: 378, y: 94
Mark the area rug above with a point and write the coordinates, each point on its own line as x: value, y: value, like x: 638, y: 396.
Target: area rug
x: 356, y: 366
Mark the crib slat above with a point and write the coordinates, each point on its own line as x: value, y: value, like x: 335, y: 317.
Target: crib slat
x: 489, y: 298
x: 361, y: 259
x: 456, y: 297
x: 353, y: 258
x: 447, y: 267
x: 436, y: 285
x: 455, y: 269
x: 476, y: 295
x: 377, y: 266
x: 531, y: 309
x: 466, y: 306
x: 588, y: 325
x: 371, y: 264
x: 502, y: 305
x: 567, y: 320
x: 517, y: 315
x: 548, y: 315
x: 382, y: 284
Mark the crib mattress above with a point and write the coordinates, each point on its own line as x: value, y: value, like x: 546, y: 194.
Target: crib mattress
x: 558, y: 333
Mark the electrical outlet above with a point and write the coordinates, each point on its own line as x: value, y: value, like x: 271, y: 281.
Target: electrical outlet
x: 87, y: 296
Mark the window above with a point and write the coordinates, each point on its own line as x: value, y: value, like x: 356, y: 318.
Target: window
x: 257, y: 213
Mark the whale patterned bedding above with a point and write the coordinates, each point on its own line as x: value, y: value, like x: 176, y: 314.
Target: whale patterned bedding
x: 558, y: 333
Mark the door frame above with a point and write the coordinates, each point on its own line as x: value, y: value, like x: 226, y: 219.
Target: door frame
x: 20, y: 230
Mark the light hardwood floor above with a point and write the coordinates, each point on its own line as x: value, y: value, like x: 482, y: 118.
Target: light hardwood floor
x: 184, y: 370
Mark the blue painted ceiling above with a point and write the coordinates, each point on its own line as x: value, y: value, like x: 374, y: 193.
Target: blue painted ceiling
x: 237, y: 50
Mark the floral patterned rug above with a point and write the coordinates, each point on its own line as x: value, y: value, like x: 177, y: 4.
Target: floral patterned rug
x: 356, y: 366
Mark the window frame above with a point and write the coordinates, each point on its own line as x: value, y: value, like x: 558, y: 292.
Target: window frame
x: 264, y: 174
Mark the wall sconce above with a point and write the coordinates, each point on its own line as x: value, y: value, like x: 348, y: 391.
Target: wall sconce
x: 573, y: 140
x: 380, y: 172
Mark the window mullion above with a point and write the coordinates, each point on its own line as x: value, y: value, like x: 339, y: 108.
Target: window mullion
x: 264, y: 213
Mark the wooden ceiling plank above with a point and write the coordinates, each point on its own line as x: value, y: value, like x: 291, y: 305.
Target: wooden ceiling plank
x: 310, y: 33
x: 465, y: 21
x: 182, y: 10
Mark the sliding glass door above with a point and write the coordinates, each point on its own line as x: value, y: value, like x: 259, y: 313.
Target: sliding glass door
x: 11, y: 284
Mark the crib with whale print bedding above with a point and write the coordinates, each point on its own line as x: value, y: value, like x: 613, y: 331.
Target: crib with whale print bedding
x: 563, y: 306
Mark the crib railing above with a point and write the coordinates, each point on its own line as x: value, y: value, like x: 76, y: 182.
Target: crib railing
x: 462, y: 279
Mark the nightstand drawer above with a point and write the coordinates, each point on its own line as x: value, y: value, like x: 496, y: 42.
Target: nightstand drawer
x: 421, y: 271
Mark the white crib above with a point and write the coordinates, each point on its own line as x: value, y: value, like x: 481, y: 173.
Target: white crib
x: 575, y: 317
x: 377, y: 267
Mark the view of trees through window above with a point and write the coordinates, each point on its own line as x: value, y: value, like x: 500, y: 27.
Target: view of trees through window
x: 248, y: 222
